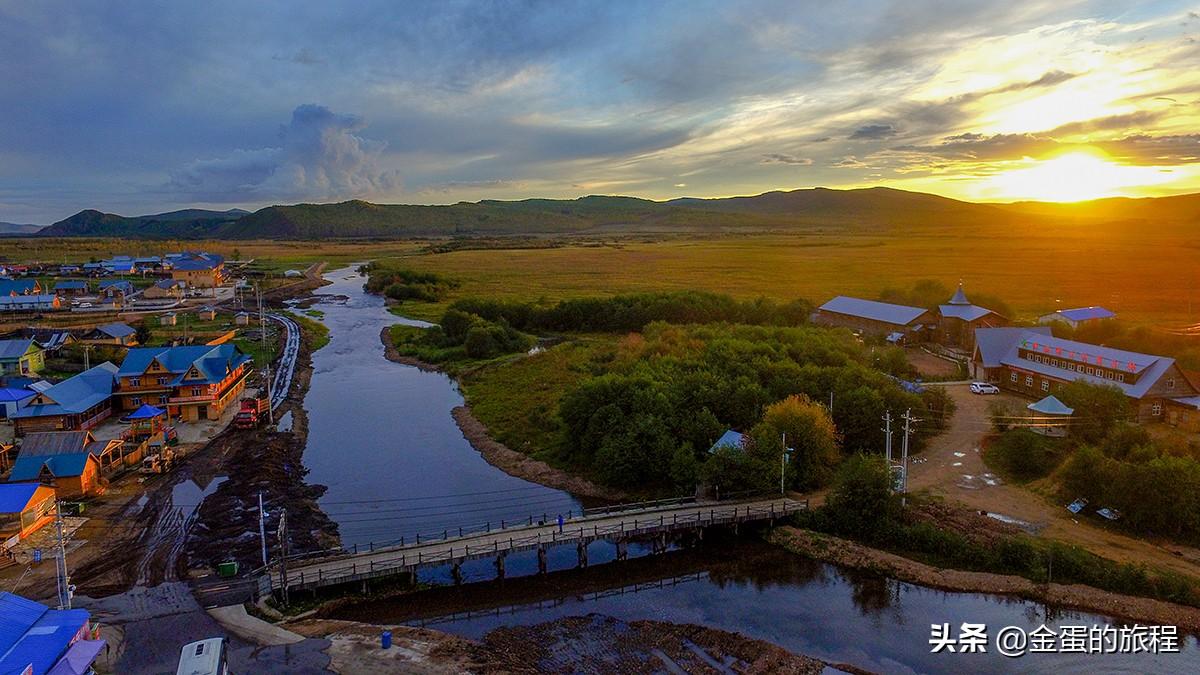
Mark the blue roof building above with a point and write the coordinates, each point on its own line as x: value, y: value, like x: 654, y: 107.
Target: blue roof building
x: 1034, y: 362
x: 960, y: 318
x: 194, y: 381
x: 80, y: 402
x: 20, y: 287
x: 1078, y: 316
x: 42, y: 641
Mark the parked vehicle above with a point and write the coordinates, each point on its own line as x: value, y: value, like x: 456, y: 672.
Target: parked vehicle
x: 251, y: 412
x: 85, y: 305
x: 204, y: 657
x: 157, y: 463
x: 984, y: 388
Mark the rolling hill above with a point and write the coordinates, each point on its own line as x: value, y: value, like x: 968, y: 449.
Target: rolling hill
x: 867, y: 210
x: 18, y: 229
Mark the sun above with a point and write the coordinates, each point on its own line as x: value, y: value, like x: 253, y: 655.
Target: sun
x: 1072, y: 177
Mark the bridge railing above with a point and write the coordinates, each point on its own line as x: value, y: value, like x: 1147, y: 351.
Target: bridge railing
x: 353, y: 568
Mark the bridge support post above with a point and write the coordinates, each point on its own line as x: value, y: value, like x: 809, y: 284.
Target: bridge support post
x: 541, y: 559
x: 581, y: 548
x: 622, y: 549
x: 500, y: 566
x: 456, y: 572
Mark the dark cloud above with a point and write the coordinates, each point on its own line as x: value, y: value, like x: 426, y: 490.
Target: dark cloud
x: 1127, y: 122
x: 1149, y: 150
x: 780, y: 158
x: 319, y: 155
x: 873, y: 132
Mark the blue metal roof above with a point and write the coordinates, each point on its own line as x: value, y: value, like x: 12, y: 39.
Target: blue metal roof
x: 17, y: 286
x: 1193, y: 401
x: 120, y: 284
x: 1086, y: 313
x: 146, y: 412
x: 14, y: 497
x: 70, y: 284
x: 29, y: 467
x: 213, y: 361
x: 117, y: 330
x: 13, y: 394
x: 76, y: 394
x: 729, y: 439
x: 1051, y: 406
x: 964, y: 312
x: 11, y: 350
x: 197, y: 261
x: 900, y: 315
x: 1001, y: 346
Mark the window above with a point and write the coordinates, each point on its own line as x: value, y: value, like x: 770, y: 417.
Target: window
x: 1014, y: 376
x: 135, y: 381
x: 1108, y: 374
x: 162, y: 380
x: 1156, y: 409
x: 1170, y: 383
x: 1028, y: 380
x: 1045, y: 385
x: 197, y: 391
x: 136, y: 400
x: 1091, y: 370
x: 162, y: 399
x: 1120, y: 377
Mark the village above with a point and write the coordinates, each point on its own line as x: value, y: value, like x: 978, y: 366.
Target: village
x: 98, y: 406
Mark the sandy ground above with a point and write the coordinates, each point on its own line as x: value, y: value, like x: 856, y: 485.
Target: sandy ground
x: 928, y: 365
x: 954, y: 467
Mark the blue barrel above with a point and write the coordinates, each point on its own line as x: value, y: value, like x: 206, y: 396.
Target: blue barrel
x: 385, y: 640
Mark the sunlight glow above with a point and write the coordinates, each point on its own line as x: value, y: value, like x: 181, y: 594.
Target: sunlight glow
x: 1073, y: 177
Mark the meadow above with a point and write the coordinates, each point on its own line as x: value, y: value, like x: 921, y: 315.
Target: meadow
x: 1145, y: 280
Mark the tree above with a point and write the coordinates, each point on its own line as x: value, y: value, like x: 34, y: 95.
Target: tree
x: 455, y: 324
x: 1098, y: 408
x: 861, y: 503
x: 809, y: 432
x: 142, y: 333
x: 480, y: 343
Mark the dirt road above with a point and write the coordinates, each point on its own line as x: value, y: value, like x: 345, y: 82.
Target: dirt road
x: 954, y: 467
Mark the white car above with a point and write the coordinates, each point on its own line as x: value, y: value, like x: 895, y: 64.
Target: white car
x: 984, y: 388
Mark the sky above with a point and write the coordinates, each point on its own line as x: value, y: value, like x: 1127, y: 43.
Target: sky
x: 143, y: 107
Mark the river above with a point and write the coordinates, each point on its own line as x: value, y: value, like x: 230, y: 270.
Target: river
x: 380, y: 436
x: 382, y: 439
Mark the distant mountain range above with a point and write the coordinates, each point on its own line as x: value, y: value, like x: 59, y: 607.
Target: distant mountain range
x: 814, y: 209
x: 16, y: 228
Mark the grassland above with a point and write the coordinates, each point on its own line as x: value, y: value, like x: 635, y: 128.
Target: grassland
x: 316, y: 331
x: 1145, y: 279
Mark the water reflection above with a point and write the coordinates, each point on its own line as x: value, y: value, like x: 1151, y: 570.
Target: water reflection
x: 380, y: 436
x: 761, y: 591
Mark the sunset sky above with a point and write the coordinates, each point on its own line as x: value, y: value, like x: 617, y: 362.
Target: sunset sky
x: 142, y: 107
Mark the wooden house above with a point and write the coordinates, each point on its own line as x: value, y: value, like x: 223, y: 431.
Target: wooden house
x: 65, y: 459
x: 25, y: 508
x: 194, y: 382
x: 119, y: 334
x: 958, y: 320
x: 78, y: 403
x: 1032, y: 362
x: 877, y: 318
x: 21, y: 356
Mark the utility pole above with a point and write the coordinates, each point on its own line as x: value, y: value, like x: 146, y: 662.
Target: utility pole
x: 283, y: 551
x: 782, y: 462
x: 262, y: 528
x: 87, y: 351
x: 908, y: 421
x: 60, y: 561
x: 887, y: 436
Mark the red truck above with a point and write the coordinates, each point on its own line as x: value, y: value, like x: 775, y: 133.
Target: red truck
x: 251, y: 413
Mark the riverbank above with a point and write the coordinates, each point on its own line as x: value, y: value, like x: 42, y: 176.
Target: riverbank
x: 499, y: 455
x: 593, y: 643
x: 830, y: 549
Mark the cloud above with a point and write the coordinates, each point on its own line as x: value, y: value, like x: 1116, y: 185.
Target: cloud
x: 319, y: 156
x: 780, y: 158
x: 873, y: 132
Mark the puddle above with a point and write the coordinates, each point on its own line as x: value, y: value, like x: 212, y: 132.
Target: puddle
x: 960, y: 454
x: 285, y: 422
x: 186, y: 496
x: 956, y: 464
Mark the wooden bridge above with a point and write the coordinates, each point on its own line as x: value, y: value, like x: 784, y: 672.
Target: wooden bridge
x: 653, y: 522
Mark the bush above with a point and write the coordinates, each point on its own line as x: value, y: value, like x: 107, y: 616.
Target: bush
x: 861, y: 504
x: 1025, y: 455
